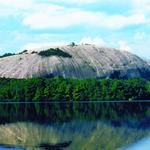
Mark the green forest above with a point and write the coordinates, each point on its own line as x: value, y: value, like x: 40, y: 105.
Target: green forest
x: 54, y: 52
x: 60, y: 89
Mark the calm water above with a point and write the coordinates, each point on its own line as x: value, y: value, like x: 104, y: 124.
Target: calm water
x: 74, y: 126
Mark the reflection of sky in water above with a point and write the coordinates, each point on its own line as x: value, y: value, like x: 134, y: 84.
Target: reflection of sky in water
x: 5, y: 148
x: 141, y: 145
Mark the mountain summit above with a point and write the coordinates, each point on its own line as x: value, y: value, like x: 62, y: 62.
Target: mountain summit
x: 75, y: 61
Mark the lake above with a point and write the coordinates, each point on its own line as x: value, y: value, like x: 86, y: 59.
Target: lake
x: 74, y: 126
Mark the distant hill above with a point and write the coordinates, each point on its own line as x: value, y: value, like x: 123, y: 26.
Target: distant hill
x: 77, y: 61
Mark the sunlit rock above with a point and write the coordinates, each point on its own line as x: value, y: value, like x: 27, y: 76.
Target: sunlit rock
x: 87, y: 61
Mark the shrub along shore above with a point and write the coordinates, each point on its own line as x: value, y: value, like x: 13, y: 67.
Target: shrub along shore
x: 60, y: 89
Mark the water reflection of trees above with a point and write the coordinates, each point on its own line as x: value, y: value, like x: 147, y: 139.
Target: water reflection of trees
x: 74, y: 135
x: 116, y: 113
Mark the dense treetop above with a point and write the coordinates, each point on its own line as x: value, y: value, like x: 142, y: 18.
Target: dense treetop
x: 7, y: 54
x: 60, y: 89
x: 54, y: 52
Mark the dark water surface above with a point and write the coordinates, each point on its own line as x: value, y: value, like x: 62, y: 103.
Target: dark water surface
x: 73, y: 126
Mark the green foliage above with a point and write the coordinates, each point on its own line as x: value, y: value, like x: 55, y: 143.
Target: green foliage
x: 60, y: 89
x: 24, y: 52
x: 134, y: 89
x: 7, y: 54
x: 72, y: 44
x: 148, y: 86
x: 34, y: 52
x: 54, y: 52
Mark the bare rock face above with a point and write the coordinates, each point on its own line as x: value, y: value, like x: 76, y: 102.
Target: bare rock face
x: 87, y: 61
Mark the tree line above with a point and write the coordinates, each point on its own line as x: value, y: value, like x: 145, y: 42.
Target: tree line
x: 60, y: 89
x: 54, y: 52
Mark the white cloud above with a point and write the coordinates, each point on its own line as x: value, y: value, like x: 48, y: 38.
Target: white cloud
x: 16, y: 3
x: 76, y: 1
x: 61, y: 18
x: 123, y: 45
x: 53, y: 16
x: 119, y: 21
x: 44, y: 15
x: 95, y: 41
x: 84, y: 1
x: 42, y: 45
x: 15, y: 7
x: 142, y: 6
x: 22, y: 7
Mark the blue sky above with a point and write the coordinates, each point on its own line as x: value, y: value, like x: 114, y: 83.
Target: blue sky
x: 122, y: 24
